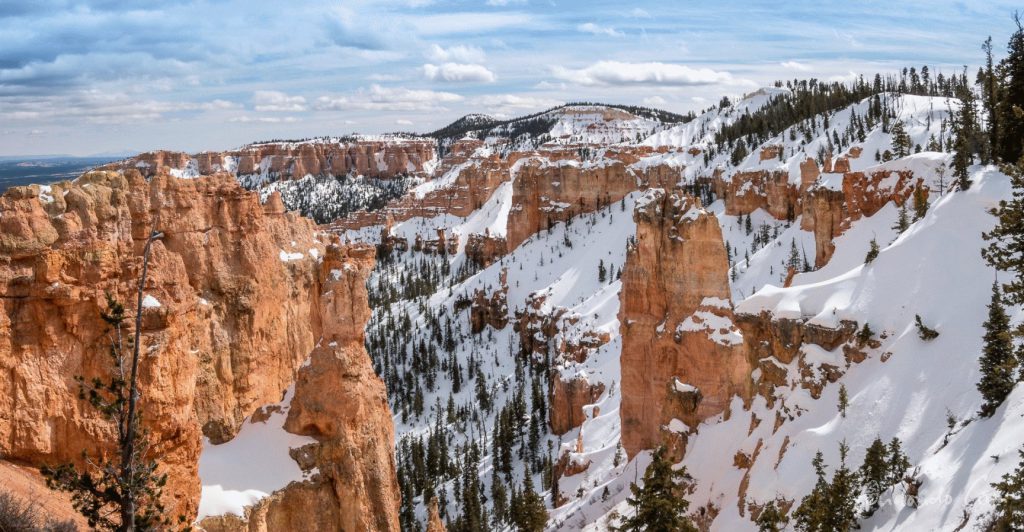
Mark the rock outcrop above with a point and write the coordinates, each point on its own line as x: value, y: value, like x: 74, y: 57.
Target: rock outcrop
x: 682, y: 358
x: 549, y: 190
x: 828, y: 210
x: 273, y: 161
x: 233, y: 310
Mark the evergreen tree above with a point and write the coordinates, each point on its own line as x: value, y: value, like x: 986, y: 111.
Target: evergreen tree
x: 900, y: 140
x: 659, y: 506
x: 874, y: 473
x: 989, y: 97
x: 997, y: 360
x: 1006, y: 249
x: 1009, y: 511
x: 831, y: 506
x: 528, y: 512
x: 902, y: 222
x: 794, y: 256
x: 122, y: 493
x: 966, y: 141
x: 1010, y: 108
x: 844, y: 400
x: 770, y: 519
x: 602, y: 273
x: 812, y: 513
x: 898, y: 463
x: 843, y: 493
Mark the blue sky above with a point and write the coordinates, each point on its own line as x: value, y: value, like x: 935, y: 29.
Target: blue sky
x: 106, y: 76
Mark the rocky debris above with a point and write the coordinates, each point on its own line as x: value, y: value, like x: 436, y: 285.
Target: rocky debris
x: 680, y: 362
x: 442, y: 245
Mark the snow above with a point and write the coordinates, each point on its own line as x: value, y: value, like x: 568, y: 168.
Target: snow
x: 190, y: 171
x: 150, y: 302
x: 45, y: 193
x: 289, y: 256
x: 251, y: 466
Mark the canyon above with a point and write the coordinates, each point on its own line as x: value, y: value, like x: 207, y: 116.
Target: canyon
x: 610, y: 286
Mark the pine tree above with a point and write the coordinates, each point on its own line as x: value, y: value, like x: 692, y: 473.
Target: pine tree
x: 122, y: 493
x: 966, y: 142
x: 989, y: 97
x: 602, y: 273
x: 874, y: 473
x: 997, y: 360
x: 843, y: 493
x: 659, y: 506
x: 844, y: 400
x: 902, y: 222
x: 812, y: 513
x: 1006, y: 248
x: 529, y: 515
x: 898, y: 463
x: 900, y: 140
x: 1010, y: 108
x: 1010, y: 504
x: 770, y: 519
x: 872, y: 252
x: 794, y: 256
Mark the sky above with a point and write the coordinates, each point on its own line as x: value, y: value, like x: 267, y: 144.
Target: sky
x: 102, y: 76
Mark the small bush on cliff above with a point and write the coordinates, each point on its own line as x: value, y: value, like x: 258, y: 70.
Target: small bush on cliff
x: 122, y: 493
x: 872, y: 252
x: 926, y: 333
x: 17, y: 515
x: 659, y: 506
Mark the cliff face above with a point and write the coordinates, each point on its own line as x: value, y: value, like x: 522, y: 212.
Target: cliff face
x: 294, y: 160
x: 237, y: 309
x: 682, y: 357
x: 550, y: 190
x: 828, y: 210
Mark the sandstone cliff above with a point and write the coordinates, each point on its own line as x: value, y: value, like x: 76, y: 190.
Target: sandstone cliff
x: 275, y: 161
x: 682, y: 358
x: 236, y: 309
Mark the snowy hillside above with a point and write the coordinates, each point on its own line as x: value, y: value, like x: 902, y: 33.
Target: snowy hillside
x: 504, y: 376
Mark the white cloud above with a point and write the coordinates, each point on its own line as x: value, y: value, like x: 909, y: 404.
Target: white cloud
x: 458, y: 53
x: 620, y: 73
x: 639, y: 13
x: 263, y: 119
x: 458, y: 72
x: 500, y: 3
x: 654, y: 100
x: 402, y: 122
x: 277, y: 101
x: 378, y: 98
x: 496, y: 104
x: 469, y: 22
x: 793, y: 65
x: 590, y: 27
x: 844, y: 78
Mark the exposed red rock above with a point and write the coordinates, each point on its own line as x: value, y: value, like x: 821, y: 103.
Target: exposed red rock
x: 294, y: 160
x: 238, y: 288
x: 671, y: 369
